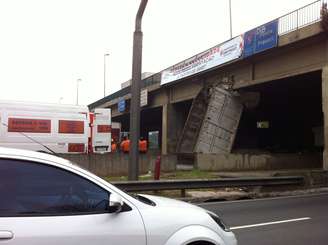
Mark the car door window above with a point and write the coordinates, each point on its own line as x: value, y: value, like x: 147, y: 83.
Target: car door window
x: 36, y: 189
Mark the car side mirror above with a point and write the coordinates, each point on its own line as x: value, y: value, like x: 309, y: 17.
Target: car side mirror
x: 115, y: 203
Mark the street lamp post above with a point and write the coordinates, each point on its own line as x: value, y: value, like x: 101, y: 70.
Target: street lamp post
x: 77, y: 90
x: 133, y: 173
x: 105, y: 55
x: 230, y: 16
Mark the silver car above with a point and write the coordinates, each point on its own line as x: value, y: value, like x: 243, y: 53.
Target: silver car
x: 48, y: 200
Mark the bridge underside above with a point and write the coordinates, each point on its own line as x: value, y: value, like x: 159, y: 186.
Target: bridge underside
x: 282, y: 126
x: 288, y: 117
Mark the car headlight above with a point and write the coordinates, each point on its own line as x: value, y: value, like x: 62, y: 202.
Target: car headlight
x: 219, y: 221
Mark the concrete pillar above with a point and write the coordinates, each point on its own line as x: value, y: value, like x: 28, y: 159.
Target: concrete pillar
x: 164, y: 129
x: 171, y: 126
x: 325, y: 114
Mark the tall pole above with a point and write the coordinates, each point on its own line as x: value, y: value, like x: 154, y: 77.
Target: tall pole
x: 135, y: 95
x: 105, y: 73
x: 77, y: 90
x: 230, y: 16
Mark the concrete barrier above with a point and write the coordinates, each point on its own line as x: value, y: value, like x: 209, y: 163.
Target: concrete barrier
x: 245, y: 162
x: 116, y: 164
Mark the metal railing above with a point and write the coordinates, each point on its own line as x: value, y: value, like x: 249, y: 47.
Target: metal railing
x: 157, y: 185
x: 301, y: 17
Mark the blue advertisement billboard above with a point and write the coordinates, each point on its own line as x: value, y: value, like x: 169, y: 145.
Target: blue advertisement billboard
x: 261, y: 38
x: 121, y: 105
x: 249, y: 38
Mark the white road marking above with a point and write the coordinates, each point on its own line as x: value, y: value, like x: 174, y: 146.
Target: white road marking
x: 269, y: 223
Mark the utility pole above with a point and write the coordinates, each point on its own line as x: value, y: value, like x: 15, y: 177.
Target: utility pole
x: 77, y: 90
x: 135, y: 95
x: 230, y: 16
x: 105, y: 55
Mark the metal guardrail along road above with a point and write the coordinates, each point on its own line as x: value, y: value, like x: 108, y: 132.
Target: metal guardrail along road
x: 156, y: 185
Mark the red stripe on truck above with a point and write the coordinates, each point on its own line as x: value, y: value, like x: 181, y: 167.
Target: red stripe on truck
x: 75, y: 147
x: 27, y: 125
x: 71, y: 127
x: 104, y: 128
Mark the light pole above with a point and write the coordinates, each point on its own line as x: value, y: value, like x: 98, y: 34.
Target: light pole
x: 77, y: 90
x: 135, y: 95
x: 230, y: 16
x: 105, y: 55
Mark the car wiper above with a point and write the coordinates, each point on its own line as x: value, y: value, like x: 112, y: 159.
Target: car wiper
x: 34, y: 140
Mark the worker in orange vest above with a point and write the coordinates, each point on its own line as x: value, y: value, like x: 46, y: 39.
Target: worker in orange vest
x: 125, y: 145
x: 114, y: 146
x: 142, y: 145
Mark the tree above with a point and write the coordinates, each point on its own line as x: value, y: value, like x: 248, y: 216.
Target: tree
x: 324, y: 16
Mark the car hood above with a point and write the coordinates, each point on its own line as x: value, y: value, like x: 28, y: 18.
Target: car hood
x: 167, y: 217
x: 170, y: 203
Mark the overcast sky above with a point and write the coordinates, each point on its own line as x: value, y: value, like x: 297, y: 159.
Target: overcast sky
x: 46, y: 45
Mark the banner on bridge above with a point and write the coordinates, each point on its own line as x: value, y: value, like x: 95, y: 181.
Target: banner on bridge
x: 208, y: 59
x: 261, y: 38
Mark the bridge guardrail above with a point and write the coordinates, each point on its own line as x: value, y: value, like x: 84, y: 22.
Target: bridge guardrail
x: 301, y: 17
x: 157, y: 185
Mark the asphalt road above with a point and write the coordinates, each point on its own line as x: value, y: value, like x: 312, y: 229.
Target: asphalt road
x: 296, y: 220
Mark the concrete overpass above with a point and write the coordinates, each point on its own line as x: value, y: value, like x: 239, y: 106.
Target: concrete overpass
x: 290, y: 87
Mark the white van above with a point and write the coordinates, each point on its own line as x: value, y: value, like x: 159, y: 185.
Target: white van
x: 61, y: 128
x: 101, y: 130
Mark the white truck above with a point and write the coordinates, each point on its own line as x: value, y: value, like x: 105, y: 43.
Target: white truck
x: 54, y: 127
x: 212, y: 122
